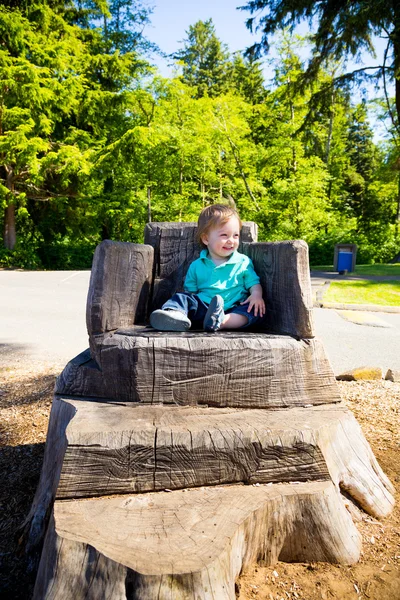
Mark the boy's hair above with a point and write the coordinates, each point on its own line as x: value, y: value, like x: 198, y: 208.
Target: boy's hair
x: 213, y: 216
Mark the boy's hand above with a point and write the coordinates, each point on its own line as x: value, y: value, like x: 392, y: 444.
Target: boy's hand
x: 255, y: 300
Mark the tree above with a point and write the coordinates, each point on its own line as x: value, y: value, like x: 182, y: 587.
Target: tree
x: 39, y: 85
x: 205, y: 60
x: 247, y: 78
x: 123, y: 24
x: 343, y: 29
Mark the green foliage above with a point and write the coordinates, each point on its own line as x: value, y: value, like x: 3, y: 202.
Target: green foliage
x: 67, y: 254
x: 340, y: 30
x: 93, y: 144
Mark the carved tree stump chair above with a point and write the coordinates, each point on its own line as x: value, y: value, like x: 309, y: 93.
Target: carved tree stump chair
x: 175, y: 460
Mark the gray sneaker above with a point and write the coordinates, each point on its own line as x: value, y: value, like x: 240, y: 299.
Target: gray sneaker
x: 169, y: 320
x: 214, y: 315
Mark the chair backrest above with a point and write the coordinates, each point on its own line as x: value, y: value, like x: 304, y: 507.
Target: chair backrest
x: 175, y: 248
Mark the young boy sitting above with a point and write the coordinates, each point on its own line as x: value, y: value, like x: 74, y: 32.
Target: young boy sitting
x: 222, y: 290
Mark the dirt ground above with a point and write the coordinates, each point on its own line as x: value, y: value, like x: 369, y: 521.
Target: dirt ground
x: 25, y: 401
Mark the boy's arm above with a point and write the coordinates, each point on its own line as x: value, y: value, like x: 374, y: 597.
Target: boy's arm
x: 255, y: 300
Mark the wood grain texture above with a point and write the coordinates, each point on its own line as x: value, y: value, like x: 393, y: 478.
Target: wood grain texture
x: 119, y: 286
x: 117, y: 449
x: 189, y: 544
x: 283, y: 268
x: 233, y: 369
x: 175, y: 247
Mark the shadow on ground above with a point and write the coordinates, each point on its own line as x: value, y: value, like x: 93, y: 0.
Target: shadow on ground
x: 25, y: 400
x: 20, y: 470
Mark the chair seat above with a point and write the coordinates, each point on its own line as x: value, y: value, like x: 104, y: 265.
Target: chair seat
x: 226, y: 369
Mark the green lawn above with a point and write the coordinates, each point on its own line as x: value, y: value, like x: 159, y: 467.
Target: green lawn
x: 385, y: 293
x: 365, y: 269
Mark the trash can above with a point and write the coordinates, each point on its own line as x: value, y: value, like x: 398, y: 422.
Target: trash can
x: 345, y: 257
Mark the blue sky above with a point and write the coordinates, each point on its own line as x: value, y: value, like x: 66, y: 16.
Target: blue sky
x: 171, y: 18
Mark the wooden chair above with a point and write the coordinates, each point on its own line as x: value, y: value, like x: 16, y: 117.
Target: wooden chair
x: 241, y: 435
x: 281, y: 365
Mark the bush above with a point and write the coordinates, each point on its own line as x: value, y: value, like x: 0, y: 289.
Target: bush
x: 380, y: 245
x: 21, y: 258
x: 67, y: 255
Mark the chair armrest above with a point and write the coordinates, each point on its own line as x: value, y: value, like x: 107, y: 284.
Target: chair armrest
x: 119, y: 286
x: 285, y: 278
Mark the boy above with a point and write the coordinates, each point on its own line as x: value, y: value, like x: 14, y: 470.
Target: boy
x: 216, y: 284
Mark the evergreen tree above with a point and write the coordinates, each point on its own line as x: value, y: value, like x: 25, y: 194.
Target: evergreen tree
x: 343, y: 29
x: 39, y: 85
x: 247, y: 78
x: 123, y: 26
x: 205, y: 60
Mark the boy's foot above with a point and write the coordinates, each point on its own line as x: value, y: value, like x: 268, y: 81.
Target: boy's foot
x: 169, y: 320
x: 214, y: 315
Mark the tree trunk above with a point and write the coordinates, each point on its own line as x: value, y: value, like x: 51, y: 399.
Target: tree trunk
x: 9, y: 232
x: 189, y: 544
x: 10, y: 236
x: 330, y: 131
x: 149, y: 204
x: 396, y: 53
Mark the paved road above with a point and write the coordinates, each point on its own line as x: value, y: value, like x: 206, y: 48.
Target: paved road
x: 349, y: 345
x: 42, y: 316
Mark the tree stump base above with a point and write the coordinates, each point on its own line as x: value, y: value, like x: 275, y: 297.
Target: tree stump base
x: 189, y: 544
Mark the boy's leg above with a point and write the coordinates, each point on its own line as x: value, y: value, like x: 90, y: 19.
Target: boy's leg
x: 173, y: 315
x: 179, y: 313
x: 215, y: 315
x: 239, y: 318
x: 234, y: 321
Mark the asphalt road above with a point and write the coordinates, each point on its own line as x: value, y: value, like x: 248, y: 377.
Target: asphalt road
x: 42, y: 317
x: 42, y: 314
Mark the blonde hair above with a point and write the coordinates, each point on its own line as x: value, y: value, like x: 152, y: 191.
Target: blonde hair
x: 213, y: 216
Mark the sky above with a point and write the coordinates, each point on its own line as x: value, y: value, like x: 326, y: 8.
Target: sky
x: 171, y: 18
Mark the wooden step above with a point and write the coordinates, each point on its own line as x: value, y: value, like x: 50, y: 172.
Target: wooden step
x: 227, y: 369
x: 189, y: 544
x: 104, y: 448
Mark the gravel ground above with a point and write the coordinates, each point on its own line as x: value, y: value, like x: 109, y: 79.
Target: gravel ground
x: 25, y: 401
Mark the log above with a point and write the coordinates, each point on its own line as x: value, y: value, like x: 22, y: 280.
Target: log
x: 116, y: 449
x: 235, y: 369
x: 97, y: 448
x: 189, y: 544
x: 119, y: 289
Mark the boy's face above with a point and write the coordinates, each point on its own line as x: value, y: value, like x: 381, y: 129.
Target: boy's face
x: 223, y: 240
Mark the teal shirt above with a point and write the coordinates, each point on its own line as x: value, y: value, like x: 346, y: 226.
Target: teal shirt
x: 231, y: 280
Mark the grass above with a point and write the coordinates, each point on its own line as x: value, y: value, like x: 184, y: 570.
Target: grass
x: 386, y: 270
x: 384, y: 293
x: 378, y: 269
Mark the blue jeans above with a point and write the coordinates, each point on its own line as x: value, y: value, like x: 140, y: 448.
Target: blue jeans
x: 192, y: 306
